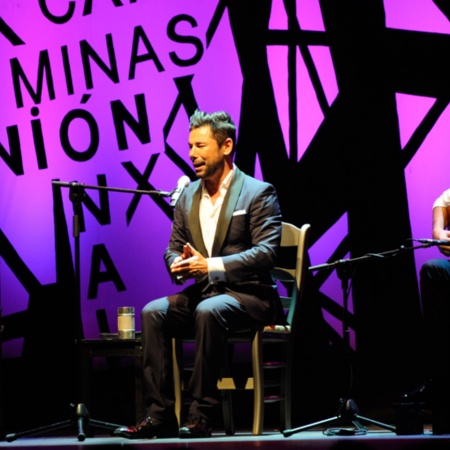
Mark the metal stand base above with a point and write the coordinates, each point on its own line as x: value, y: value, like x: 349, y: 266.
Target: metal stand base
x: 80, y: 419
x: 347, y: 412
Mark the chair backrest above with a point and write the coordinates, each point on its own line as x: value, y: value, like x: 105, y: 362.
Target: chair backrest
x: 291, y: 266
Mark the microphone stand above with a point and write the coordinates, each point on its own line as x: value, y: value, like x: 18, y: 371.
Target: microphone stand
x: 348, y: 411
x: 80, y: 415
x: 82, y: 186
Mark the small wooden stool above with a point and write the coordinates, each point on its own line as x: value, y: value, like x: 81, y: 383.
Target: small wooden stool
x: 112, y: 347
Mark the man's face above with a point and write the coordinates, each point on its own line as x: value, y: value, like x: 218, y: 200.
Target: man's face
x: 204, y: 152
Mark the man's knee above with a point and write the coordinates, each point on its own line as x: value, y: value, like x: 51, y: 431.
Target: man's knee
x: 154, y: 311
x: 204, y: 311
x: 438, y: 265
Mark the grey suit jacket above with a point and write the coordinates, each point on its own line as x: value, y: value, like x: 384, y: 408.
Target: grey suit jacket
x: 247, y: 238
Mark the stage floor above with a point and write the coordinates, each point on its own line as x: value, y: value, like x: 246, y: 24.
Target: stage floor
x: 311, y: 439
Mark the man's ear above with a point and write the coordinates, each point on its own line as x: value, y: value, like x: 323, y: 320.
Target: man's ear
x: 228, y: 146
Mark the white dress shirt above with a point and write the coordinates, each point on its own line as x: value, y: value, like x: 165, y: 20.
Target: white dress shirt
x: 209, y: 216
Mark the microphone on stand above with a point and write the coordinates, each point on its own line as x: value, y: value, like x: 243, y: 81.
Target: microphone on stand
x: 182, y: 184
x: 432, y: 241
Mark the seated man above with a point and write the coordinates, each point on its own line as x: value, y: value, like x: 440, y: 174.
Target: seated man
x: 225, y: 238
x: 435, y: 295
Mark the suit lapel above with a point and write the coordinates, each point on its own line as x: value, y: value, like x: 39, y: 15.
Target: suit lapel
x: 194, y: 223
x: 226, y: 213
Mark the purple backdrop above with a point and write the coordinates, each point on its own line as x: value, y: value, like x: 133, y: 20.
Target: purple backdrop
x: 138, y: 52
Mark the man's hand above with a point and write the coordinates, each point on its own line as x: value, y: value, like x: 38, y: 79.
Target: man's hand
x: 445, y: 249
x: 191, y: 264
x: 443, y: 235
x: 440, y: 225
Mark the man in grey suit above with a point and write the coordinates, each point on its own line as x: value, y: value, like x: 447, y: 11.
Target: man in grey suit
x: 225, y: 238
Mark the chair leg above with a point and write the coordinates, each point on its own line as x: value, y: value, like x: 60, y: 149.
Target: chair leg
x: 177, y: 359
x: 258, y: 384
x: 227, y: 404
x: 287, y: 403
x: 227, y: 409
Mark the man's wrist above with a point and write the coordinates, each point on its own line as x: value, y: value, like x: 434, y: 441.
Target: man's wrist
x: 216, y: 270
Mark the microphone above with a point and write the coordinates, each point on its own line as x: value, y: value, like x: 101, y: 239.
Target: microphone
x: 433, y: 242
x: 183, y: 183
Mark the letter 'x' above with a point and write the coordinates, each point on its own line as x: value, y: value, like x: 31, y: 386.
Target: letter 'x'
x: 145, y: 185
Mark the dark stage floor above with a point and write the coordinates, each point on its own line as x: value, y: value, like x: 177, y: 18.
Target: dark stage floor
x: 311, y: 439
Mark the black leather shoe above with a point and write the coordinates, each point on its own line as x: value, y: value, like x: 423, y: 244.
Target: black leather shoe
x: 195, y: 427
x: 147, y: 428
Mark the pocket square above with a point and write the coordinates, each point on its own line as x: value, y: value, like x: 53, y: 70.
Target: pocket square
x: 239, y: 212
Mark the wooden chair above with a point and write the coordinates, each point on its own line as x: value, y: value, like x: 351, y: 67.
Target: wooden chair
x: 291, y: 273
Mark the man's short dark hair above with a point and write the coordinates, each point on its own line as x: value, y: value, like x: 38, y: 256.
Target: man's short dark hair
x: 220, y: 122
